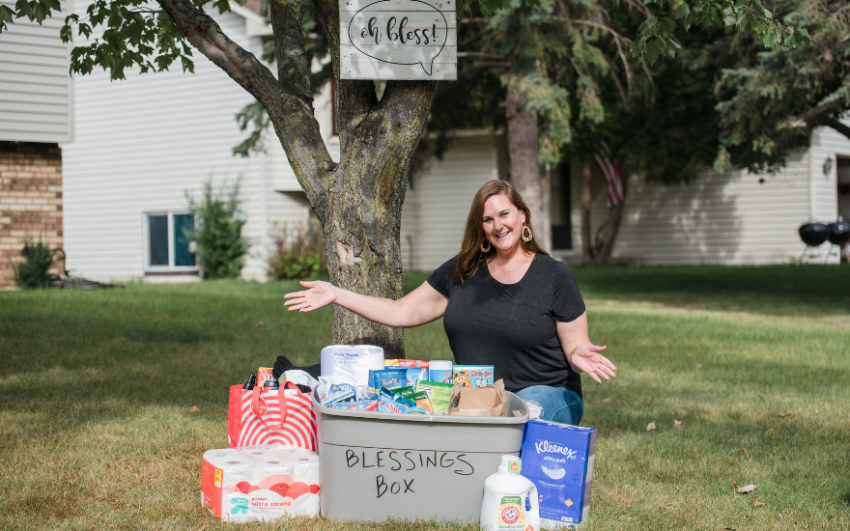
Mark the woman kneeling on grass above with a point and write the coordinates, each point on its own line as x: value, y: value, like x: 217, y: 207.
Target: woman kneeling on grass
x: 505, y: 302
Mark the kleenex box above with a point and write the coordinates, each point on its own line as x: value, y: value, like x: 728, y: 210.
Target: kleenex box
x: 558, y: 459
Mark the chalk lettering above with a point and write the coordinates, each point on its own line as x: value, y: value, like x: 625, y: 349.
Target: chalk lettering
x: 460, y: 471
x: 396, y: 462
x: 381, y: 483
x: 349, y: 456
x: 408, y: 486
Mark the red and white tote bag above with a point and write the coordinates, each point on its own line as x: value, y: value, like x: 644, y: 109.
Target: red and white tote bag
x: 283, y: 416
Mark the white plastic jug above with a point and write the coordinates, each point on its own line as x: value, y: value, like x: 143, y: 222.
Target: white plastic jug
x: 510, y: 500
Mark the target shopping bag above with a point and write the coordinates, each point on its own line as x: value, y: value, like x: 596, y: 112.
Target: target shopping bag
x: 283, y: 416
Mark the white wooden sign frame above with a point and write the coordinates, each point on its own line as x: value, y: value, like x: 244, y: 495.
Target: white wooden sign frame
x: 398, y: 39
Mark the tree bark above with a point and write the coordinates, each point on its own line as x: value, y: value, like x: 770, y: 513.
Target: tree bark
x: 612, y: 224
x: 358, y: 200
x: 526, y: 171
x: 586, y: 199
x: 589, y: 255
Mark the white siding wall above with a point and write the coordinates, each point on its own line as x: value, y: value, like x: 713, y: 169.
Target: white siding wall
x: 36, y: 92
x: 827, y: 143
x: 435, y: 209
x: 141, y: 144
x: 727, y: 218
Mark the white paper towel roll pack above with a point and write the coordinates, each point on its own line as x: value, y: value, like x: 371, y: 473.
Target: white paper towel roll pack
x: 260, y: 483
x: 351, y: 363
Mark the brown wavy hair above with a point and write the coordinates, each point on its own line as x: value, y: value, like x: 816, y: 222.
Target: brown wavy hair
x: 470, y: 258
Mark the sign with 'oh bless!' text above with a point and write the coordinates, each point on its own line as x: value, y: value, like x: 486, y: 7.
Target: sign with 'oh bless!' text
x: 398, y: 39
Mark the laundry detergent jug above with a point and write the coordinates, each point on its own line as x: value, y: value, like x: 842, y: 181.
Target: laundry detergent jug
x: 510, y: 500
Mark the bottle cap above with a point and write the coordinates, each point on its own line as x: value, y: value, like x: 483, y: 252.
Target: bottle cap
x: 271, y: 381
x: 510, y: 464
x: 440, y: 365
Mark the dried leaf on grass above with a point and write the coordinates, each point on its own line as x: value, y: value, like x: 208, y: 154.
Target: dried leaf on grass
x: 757, y: 503
x: 742, y: 451
x: 747, y: 488
x: 204, y: 527
x: 259, y: 324
x: 677, y: 423
x: 770, y: 433
x: 195, y: 409
x: 650, y: 426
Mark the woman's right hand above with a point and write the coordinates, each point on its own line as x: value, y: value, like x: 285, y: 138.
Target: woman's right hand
x: 317, y: 295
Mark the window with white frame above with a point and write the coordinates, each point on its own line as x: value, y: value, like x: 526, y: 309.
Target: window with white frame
x: 167, y: 244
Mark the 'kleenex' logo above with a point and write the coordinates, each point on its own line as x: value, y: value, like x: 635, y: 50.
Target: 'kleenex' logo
x: 547, y: 447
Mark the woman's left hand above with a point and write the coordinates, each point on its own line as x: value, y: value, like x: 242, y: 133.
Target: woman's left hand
x: 587, y: 358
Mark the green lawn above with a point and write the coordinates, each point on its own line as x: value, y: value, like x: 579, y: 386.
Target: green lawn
x: 109, y: 398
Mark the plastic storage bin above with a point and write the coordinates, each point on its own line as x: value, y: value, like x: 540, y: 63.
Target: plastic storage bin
x: 376, y: 466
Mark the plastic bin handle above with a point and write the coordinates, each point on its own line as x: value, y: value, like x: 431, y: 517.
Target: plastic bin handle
x: 260, y: 410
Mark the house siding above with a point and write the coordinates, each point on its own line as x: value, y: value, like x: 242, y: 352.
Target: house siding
x: 730, y: 218
x: 36, y: 92
x: 436, y: 207
x: 142, y: 144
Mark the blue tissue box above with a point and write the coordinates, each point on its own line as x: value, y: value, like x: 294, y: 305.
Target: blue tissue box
x: 558, y: 459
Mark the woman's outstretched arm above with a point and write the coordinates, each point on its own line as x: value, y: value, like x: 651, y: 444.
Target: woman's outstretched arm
x: 422, y: 305
x: 581, y: 354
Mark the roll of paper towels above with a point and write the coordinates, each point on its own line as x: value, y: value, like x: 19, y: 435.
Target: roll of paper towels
x: 351, y: 363
x: 260, y: 483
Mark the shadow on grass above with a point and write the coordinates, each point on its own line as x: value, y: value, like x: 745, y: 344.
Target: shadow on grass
x: 775, y: 290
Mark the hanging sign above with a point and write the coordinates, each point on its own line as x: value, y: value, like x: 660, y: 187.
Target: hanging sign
x: 398, y: 39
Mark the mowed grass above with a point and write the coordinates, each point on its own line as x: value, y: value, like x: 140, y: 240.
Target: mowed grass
x: 109, y: 398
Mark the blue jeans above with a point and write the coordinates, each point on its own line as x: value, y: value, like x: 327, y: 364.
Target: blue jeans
x: 554, y: 403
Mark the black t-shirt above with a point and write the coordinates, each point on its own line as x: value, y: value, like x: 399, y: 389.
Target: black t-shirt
x: 512, y: 326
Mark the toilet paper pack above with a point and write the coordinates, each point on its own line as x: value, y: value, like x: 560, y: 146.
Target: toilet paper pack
x: 558, y: 459
x: 264, y: 482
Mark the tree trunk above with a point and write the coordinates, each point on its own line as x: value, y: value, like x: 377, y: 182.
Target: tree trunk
x: 586, y: 199
x: 589, y: 255
x: 526, y: 172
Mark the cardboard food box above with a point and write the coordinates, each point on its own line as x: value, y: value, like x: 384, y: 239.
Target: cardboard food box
x: 558, y: 459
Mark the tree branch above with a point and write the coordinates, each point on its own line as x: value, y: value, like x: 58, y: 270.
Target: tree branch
x: 206, y: 35
x: 836, y: 124
x: 291, y: 116
x: 293, y: 65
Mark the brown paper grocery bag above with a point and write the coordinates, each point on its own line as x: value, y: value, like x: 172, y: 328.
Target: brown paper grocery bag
x: 479, y: 402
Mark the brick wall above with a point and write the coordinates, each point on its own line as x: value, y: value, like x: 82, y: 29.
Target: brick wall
x: 30, y: 201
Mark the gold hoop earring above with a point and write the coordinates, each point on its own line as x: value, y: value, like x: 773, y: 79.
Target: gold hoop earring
x: 526, y: 233
x: 487, y: 250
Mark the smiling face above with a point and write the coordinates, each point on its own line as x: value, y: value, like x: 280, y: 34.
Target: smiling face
x: 502, y: 223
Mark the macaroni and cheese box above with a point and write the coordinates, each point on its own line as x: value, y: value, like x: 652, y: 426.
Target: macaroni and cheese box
x: 473, y: 375
x: 558, y: 459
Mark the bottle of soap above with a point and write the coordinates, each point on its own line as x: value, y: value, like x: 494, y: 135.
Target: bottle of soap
x: 510, y: 500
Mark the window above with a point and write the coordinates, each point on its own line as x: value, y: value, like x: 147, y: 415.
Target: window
x: 167, y: 247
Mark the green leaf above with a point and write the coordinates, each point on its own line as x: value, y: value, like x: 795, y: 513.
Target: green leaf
x: 188, y: 65
x: 768, y: 42
x: 683, y: 11
x: 791, y: 41
x: 653, y: 50
x: 6, y: 15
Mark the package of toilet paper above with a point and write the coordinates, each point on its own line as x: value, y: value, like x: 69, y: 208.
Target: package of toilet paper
x: 261, y: 482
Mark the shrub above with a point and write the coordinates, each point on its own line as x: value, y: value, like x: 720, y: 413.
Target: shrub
x: 298, y: 254
x: 217, y: 234
x: 32, y: 272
